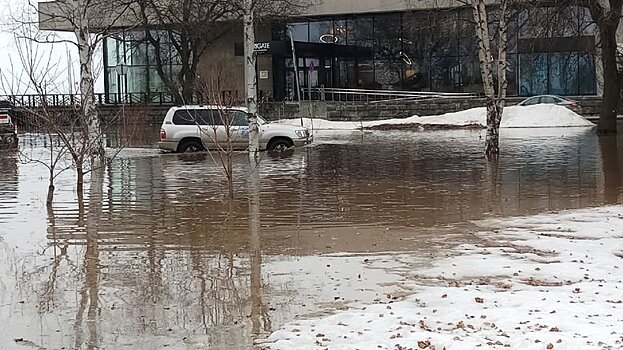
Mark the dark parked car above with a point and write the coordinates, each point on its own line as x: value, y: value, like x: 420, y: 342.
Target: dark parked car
x: 551, y: 99
x: 8, y: 126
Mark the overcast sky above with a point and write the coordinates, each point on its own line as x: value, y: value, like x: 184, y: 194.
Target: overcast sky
x: 11, y: 9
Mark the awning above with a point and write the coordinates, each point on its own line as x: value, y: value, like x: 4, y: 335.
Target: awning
x: 283, y: 48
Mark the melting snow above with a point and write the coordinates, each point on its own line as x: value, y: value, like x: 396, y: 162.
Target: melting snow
x: 542, y: 282
x: 538, y: 116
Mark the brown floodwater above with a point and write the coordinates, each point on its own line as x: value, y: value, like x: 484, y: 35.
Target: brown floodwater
x: 155, y: 257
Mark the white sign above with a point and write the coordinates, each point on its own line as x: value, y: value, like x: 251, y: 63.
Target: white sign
x: 262, y: 47
x: 263, y: 74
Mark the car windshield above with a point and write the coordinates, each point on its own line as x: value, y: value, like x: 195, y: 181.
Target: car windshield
x: 531, y: 101
x: 261, y: 120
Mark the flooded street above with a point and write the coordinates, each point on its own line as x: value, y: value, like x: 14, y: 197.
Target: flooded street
x: 156, y: 257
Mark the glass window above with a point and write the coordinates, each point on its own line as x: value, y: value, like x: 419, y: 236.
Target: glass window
x: 113, y: 81
x: 136, y: 79
x: 587, y: 74
x: 210, y: 117
x: 239, y: 118
x: 533, y: 74
x: 417, y: 75
x: 300, y: 31
x: 322, y: 32
x: 185, y: 117
x: 387, y: 74
x: 533, y: 23
x: 418, y: 36
x: 587, y: 25
x: 347, y: 69
x: 511, y: 75
x: 387, y: 36
x: 445, y: 37
x: 365, y: 77
x: 340, y: 30
x: 155, y: 81
x: 471, y: 78
x: 531, y: 101
x: 564, y: 21
x: 445, y: 74
x: 112, y: 52
x: 361, y: 32
x: 197, y: 116
x: 563, y: 73
x: 468, y: 44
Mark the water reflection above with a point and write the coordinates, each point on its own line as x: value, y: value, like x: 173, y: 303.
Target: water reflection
x: 611, y: 161
x: 156, y: 256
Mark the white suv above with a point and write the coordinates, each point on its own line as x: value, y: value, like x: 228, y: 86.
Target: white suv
x: 192, y: 128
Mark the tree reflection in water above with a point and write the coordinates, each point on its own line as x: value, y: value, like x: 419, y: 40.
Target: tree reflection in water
x: 611, y: 163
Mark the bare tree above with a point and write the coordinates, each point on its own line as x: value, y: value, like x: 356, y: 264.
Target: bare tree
x: 492, y: 63
x: 251, y: 11
x: 224, y: 126
x: 63, y: 130
x: 90, y: 21
x: 607, y: 16
x: 180, y: 32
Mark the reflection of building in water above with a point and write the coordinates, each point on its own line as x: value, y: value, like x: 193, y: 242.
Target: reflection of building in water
x: 169, y: 258
x: 9, y: 183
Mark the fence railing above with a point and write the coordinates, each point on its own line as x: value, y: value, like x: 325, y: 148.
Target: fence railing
x: 68, y: 100
x: 162, y: 98
x: 366, y: 95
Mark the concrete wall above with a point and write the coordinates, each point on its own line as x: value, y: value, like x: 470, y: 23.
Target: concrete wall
x: 335, y: 7
x: 383, y: 110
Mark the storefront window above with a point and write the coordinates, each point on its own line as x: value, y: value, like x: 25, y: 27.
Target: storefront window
x: 586, y: 74
x: 445, y: 74
x: 322, y: 32
x: 340, y: 30
x: 446, y: 41
x: 563, y: 73
x: 533, y: 73
x: 416, y: 76
x: 361, y: 31
x: 300, y: 31
x: 417, y: 34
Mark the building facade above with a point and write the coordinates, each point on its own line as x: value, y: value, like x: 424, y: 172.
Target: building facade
x: 367, y: 45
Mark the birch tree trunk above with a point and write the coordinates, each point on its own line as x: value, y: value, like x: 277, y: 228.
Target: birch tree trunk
x: 87, y: 83
x: 607, y: 15
x: 250, y: 77
x: 495, y: 98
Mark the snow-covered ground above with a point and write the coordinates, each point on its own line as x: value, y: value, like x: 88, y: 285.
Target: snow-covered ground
x: 538, y: 116
x: 550, y: 281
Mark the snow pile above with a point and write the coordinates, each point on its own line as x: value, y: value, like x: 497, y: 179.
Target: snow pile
x: 542, y: 282
x: 537, y: 116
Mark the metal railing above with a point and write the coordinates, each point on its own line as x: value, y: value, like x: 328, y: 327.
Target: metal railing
x: 68, y: 100
x: 373, y: 96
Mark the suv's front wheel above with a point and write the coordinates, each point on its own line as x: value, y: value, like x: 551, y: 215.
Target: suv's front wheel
x: 190, y: 146
x: 280, y: 144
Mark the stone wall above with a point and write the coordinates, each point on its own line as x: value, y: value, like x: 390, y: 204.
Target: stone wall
x: 383, y: 110
x: 154, y: 114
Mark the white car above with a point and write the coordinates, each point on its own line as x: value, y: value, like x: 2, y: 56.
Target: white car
x: 193, y: 128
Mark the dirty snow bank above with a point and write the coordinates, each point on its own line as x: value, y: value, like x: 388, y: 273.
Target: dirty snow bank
x: 542, y: 282
x: 538, y: 116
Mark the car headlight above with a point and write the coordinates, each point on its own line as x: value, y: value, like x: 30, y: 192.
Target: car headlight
x: 301, y: 133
